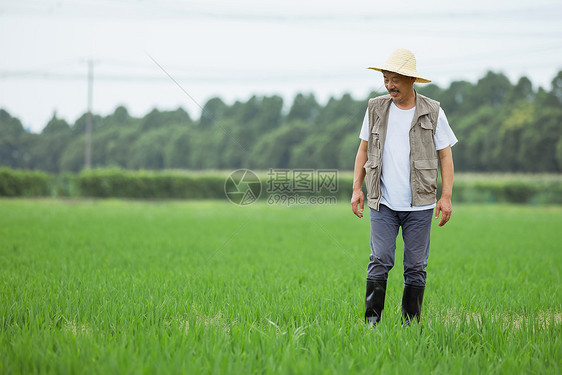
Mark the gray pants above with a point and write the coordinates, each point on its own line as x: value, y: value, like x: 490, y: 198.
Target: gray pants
x: 416, y: 227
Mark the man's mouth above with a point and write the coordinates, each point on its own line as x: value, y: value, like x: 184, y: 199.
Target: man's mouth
x: 393, y: 92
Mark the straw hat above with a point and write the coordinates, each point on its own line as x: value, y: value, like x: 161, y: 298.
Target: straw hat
x: 402, y: 62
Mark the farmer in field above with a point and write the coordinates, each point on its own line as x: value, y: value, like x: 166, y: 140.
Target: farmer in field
x: 404, y: 137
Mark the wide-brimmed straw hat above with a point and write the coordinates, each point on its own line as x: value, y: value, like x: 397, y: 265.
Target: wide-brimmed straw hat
x: 402, y: 62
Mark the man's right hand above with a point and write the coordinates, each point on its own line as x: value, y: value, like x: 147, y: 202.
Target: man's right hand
x: 357, y: 198
x: 357, y: 201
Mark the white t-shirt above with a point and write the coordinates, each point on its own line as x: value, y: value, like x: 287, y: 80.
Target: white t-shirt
x: 395, y: 175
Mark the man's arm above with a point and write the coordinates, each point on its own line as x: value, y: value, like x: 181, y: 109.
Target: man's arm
x: 447, y: 171
x: 357, y: 198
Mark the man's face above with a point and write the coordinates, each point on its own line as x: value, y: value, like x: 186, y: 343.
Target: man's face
x: 398, y: 86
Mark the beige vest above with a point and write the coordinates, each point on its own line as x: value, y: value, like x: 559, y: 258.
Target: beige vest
x: 423, y: 157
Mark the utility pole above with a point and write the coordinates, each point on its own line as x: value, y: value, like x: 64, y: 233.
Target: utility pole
x: 88, y: 150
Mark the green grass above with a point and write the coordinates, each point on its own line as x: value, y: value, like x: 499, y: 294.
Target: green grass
x: 124, y: 287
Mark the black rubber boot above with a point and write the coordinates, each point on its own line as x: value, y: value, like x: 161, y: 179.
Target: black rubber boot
x: 374, y: 301
x: 412, y: 300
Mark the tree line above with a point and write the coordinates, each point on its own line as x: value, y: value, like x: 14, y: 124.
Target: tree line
x: 501, y: 127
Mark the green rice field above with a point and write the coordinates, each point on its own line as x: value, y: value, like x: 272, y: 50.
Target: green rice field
x: 138, y: 287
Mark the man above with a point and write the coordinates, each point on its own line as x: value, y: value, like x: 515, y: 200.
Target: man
x: 405, y: 136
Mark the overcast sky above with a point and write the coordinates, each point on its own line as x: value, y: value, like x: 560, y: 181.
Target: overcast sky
x: 237, y: 49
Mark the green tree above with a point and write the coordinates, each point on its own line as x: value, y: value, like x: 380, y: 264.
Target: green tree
x: 540, y: 141
x: 72, y: 158
x: 54, y: 139
x: 11, y: 134
x: 519, y: 116
x: 557, y: 87
x: 492, y: 90
x: 177, y: 151
x: 148, y: 150
x: 431, y: 91
x: 345, y: 108
x: 501, y: 127
x: 522, y: 91
x: 304, y: 108
x: 321, y: 149
x: 212, y: 112
x: 456, y: 97
x: 119, y: 116
x: 348, y: 150
x: 273, y: 150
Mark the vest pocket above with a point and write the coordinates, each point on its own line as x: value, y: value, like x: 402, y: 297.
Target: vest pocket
x: 426, y: 131
x: 426, y: 175
x: 372, y: 179
x: 426, y: 124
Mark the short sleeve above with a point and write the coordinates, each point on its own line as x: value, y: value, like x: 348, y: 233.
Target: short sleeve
x: 364, y: 135
x: 444, y: 136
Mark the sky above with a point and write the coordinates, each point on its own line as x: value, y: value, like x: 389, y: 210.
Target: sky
x: 167, y: 54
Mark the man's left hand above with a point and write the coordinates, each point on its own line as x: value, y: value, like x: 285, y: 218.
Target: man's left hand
x: 445, y: 208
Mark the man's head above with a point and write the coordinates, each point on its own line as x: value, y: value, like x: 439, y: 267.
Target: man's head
x: 399, y: 86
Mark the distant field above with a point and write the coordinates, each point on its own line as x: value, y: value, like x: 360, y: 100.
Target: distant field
x: 116, y: 287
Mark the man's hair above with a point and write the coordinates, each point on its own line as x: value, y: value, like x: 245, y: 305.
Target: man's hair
x: 387, y: 71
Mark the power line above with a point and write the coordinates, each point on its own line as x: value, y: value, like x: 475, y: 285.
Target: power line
x: 202, y: 75
x: 265, y: 13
